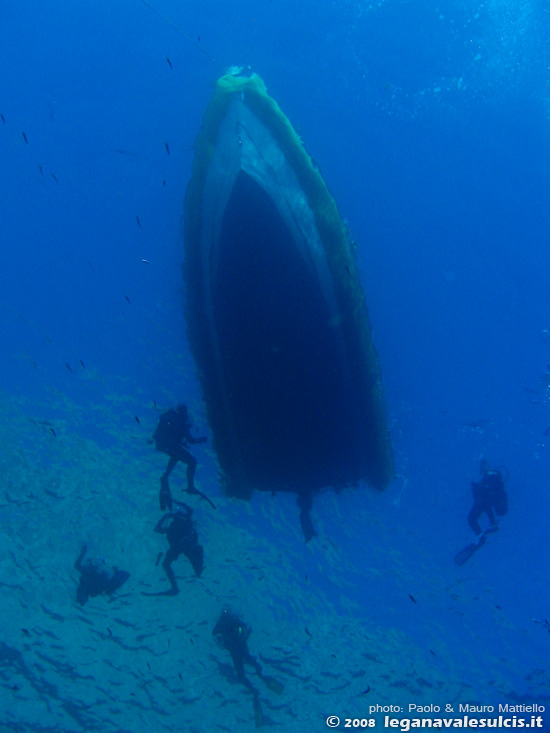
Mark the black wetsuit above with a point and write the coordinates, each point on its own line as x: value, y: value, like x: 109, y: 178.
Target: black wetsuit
x: 233, y: 635
x: 172, y: 433
x: 489, y: 497
x: 183, y: 539
x: 96, y: 578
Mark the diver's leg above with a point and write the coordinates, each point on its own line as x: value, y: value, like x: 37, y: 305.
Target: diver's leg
x: 491, y: 515
x: 195, y: 554
x: 473, y: 516
x: 170, y: 467
x: 169, y: 558
x: 165, y: 496
x: 305, y: 502
x: 191, y: 462
x: 238, y: 662
x: 493, y: 526
x: 253, y: 662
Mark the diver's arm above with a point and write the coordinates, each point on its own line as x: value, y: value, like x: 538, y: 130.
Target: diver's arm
x: 191, y: 438
x: 195, y: 441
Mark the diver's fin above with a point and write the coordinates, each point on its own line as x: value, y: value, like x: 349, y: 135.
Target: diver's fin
x: 202, y: 496
x: 118, y: 579
x: 165, y: 497
x: 464, y: 555
x: 274, y: 685
x: 258, y: 714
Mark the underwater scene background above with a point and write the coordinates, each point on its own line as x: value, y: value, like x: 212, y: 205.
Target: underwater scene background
x: 430, y: 122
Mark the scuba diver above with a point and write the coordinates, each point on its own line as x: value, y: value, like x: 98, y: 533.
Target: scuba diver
x: 233, y: 634
x: 490, y: 497
x: 172, y: 434
x: 96, y: 578
x: 182, y: 538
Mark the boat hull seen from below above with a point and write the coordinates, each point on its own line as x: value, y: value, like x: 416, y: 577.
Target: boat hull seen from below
x: 276, y: 315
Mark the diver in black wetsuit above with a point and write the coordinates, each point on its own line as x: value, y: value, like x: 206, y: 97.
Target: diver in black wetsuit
x: 172, y: 433
x: 96, y: 578
x: 233, y: 635
x: 490, y: 497
x: 182, y: 538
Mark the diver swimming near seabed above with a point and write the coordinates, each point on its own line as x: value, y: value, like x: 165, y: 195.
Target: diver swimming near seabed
x: 96, y: 578
x: 183, y: 539
x: 490, y: 497
x: 233, y: 634
x: 172, y: 434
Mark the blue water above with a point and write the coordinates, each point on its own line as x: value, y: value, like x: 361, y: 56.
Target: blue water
x: 430, y: 123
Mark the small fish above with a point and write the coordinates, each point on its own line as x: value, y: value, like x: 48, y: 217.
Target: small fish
x: 169, y: 62
x: 138, y: 221
x: 476, y: 424
x: 127, y: 298
x: 305, y: 578
x: 308, y: 632
x: 24, y: 137
x: 366, y: 692
x: 26, y: 632
x: 167, y: 148
x: 109, y: 630
x: 68, y: 366
x: 40, y: 169
x: 261, y: 577
x: 52, y: 431
x: 82, y: 364
x: 412, y: 599
x: 146, y: 262
x: 164, y: 182
x: 136, y: 418
x: 199, y: 39
x: 2, y: 118
x: 432, y: 653
x: 55, y: 178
